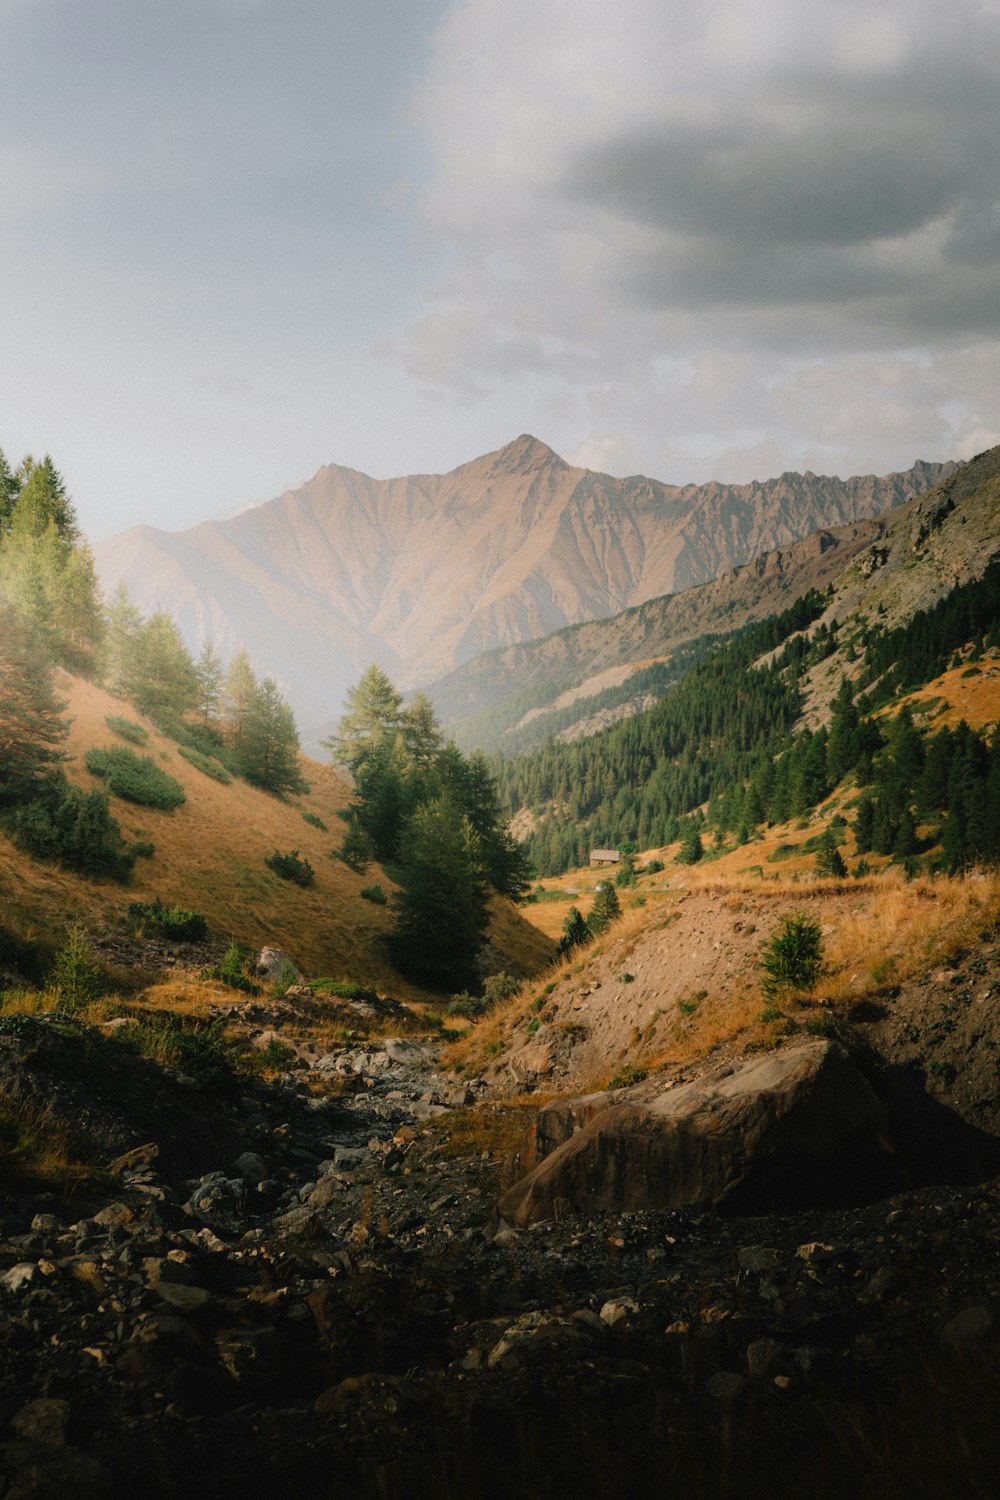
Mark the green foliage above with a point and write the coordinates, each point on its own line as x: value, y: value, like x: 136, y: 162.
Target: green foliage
x: 76, y: 975
x: 46, y: 571
x: 575, y: 931
x: 291, y: 867
x: 176, y: 922
x: 31, y: 729
x: 232, y: 970
x: 497, y: 988
x: 125, y: 729
x: 376, y: 894
x: 442, y: 908
x: 267, y: 754
x: 692, y: 849
x: 829, y: 860
x: 627, y: 1076
x: 197, y: 1050
x: 207, y: 764
x: 792, y: 958
x: 135, y: 778
x: 70, y: 827
x: 344, y: 989
x: 314, y: 821
x: 605, y: 910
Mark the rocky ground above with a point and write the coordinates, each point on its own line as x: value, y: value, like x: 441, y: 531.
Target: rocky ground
x: 326, y: 1299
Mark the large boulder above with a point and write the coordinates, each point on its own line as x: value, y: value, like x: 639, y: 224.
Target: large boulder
x: 797, y: 1126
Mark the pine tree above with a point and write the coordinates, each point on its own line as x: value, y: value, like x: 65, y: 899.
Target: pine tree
x: 374, y: 714
x: 31, y: 729
x: 829, y: 861
x: 269, y: 746
x: 575, y: 931
x: 606, y: 908
x: 864, y: 825
x: 122, y: 622
x: 238, y: 693
x: 209, y: 675
x: 442, y: 909
x: 163, y: 683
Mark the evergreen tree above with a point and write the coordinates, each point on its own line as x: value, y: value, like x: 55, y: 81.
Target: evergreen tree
x: 118, y: 648
x: 606, y: 908
x: 575, y: 931
x: 238, y: 695
x: 30, y: 725
x: 163, y: 681
x: 209, y: 675
x: 269, y: 747
x: 9, y: 486
x: 864, y: 825
x: 442, y: 909
x: 692, y: 849
x: 374, y: 715
x: 829, y: 861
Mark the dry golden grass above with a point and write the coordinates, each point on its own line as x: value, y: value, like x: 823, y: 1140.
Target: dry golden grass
x: 901, y: 929
x: 209, y: 855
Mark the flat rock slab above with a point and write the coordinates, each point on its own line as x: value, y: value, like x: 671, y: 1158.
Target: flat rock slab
x: 799, y: 1125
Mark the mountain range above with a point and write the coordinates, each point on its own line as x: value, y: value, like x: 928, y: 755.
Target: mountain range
x: 426, y: 572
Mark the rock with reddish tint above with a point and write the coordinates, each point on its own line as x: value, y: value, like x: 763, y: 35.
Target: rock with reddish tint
x: 788, y: 1128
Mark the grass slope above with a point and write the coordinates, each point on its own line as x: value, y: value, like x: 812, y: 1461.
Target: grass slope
x: 210, y: 855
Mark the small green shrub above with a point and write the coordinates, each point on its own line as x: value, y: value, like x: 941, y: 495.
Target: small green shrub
x: 136, y: 778
x: 207, y: 764
x: 314, y: 822
x: 291, y: 867
x: 626, y: 978
x: 232, y: 970
x: 76, y: 975
x: 792, y: 958
x: 126, y: 730
x: 375, y: 893
x: 274, y: 1058
x: 344, y: 989
x: 626, y: 1076
x: 652, y: 867
x: 200, y: 1052
x: 177, y: 922
x: 73, y: 828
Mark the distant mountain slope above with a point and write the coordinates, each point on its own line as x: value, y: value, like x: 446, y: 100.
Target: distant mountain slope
x: 579, y: 679
x: 425, y: 572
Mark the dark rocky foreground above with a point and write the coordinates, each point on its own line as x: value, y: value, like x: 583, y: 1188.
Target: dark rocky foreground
x: 331, y: 1304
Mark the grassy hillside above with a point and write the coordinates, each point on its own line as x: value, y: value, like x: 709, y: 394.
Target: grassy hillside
x: 209, y: 855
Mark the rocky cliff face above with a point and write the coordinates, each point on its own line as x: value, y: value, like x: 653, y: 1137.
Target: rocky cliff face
x: 424, y: 572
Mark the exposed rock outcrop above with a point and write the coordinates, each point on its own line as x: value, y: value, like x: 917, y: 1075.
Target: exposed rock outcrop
x: 781, y: 1129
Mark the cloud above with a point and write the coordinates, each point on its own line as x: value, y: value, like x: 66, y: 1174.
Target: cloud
x: 626, y: 192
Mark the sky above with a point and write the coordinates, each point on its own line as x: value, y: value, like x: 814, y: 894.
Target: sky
x: 240, y: 239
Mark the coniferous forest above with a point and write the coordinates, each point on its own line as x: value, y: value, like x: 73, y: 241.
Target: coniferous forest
x: 724, y: 739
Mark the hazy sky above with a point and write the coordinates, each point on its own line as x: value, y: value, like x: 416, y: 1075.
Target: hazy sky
x: 240, y: 238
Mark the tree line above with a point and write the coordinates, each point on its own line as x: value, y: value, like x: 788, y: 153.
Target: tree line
x: 725, y: 737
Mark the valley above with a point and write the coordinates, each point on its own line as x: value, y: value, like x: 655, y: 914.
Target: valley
x: 337, y: 1148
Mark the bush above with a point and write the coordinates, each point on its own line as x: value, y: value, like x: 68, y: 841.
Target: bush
x: 126, y: 730
x: 314, y: 822
x: 177, y: 922
x: 497, y: 987
x: 136, y: 778
x: 73, y: 828
x: 792, y: 958
x: 207, y: 764
x: 76, y: 975
x: 290, y: 867
x: 198, y: 1051
x: 375, y: 893
x: 344, y: 989
x: 232, y: 970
